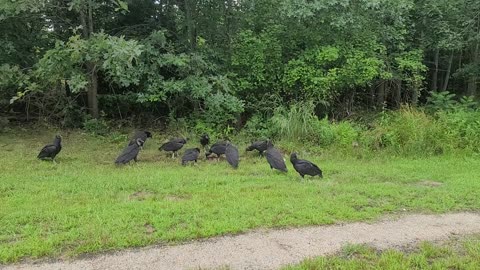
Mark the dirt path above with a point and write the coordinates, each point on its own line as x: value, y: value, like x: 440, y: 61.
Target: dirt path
x: 275, y: 248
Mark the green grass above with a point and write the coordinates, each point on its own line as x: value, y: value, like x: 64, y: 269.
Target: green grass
x: 86, y: 204
x: 455, y: 254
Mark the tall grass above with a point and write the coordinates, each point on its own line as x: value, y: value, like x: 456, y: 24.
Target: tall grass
x: 295, y: 123
x: 300, y: 124
x: 408, y: 131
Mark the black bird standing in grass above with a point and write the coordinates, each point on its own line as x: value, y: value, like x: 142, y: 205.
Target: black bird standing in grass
x: 275, y: 158
x: 305, y: 167
x: 217, y: 148
x: 190, y: 155
x: 173, y: 145
x: 231, y: 153
x: 130, y: 152
x: 50, y: 151
x: 260, y: 146
x: 142, y: 135
x: 204, y: 140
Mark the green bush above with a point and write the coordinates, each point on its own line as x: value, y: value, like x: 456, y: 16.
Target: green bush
x: 257, y: 127
x: 96, y: 126
x: 463, y: 126
x: 411, y: 131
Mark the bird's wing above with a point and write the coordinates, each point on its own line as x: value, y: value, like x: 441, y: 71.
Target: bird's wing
x: 190, y: 155
x: 172, y: 146
x: 307, y: 167
x: 262, y: 146
x: 218, y: 148
x: 47, y: 150
x: 231, y: 153
x: 275, y: 159
x: 129, y: 153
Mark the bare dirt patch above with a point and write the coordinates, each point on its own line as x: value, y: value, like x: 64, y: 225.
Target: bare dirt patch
x: 141, y: 195
x: 177, y: 197
x: 149, y: 229
x: 272, y: 249
x: 430, y: 183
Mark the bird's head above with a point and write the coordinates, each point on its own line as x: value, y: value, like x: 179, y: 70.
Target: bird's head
x: 149, y: 134
x: 197, y: 149
x: 140, y: 142
x: 293, y: 157
x: 58, y: 138
x: 269, y: 144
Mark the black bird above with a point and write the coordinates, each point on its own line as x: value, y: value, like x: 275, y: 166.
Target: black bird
x: 130, y: 152
x: 142, y: 135
x: 190, y: 155
x: 305, y: 167
x: 260, y: 146
x: 231, y: 153
x: 173, y: 145
x: 275, y: 158
x: 217, y: 148
x: 204, y: 140
x: 49, y: 151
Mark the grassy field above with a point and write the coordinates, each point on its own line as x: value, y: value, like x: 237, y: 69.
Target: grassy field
x: 84, y: 203
x: 456, y: 254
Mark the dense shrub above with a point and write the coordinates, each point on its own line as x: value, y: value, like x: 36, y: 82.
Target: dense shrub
x: 96, y: 126
x: 411, y: 131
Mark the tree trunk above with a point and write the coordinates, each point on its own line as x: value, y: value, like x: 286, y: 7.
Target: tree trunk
x: 381, y: 94
x: 228, y: 20
x: 90, y: 17
x: 449, y: 70
x: 371, y: 95
x: 92, y: 90
x: 398, y: 93
x: 191, y: 35
x: 472, y: 81
x: 434, y: 87
x: 415, y: 94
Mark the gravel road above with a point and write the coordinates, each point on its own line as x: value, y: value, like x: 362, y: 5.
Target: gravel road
x: 271, y: 249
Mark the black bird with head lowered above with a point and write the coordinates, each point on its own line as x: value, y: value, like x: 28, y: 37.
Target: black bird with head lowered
x: 275, y: 158
x: 50, y: 151
x: 173, y: 145
x: 142, y: 135
x: 260, y: 146
x: 305, y: 167
x: 217, y: 148
x: 190, y: 155
x: 130, y: 152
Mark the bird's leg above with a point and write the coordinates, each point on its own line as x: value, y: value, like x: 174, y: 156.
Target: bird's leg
x: 135, y: 159
x: 173, y: 154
